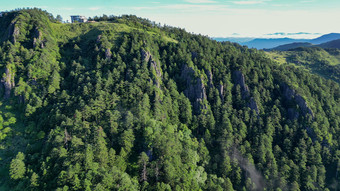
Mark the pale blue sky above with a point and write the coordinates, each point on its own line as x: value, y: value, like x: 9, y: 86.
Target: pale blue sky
x: 216, y: 18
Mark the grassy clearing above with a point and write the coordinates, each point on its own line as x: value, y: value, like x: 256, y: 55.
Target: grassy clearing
x: 65, y: 32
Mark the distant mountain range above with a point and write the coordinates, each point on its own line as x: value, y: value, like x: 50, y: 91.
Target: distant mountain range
x: 276, y: 43
x: 290, y: 46
x: 285, y: 47
x: 331, y: 44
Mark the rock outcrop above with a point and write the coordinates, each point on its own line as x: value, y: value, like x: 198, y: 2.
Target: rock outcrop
x: 8, y: 82
x: 195, y: 89
x: 293, y: 114
x: 108, y: 54
x: 13, y: 32
x: 155, y: 67
x: 253, y: 105
x: 37, y: 38
x: 289, y: 94
x: 145, y: 55
x: 239, y: 79
x: 98, y: 39
x: 210, y: 78
x: 221, y: 91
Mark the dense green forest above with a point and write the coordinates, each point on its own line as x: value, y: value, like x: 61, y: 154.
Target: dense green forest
x: 126, y: 104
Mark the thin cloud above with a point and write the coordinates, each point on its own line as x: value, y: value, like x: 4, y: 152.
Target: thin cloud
x: 94, y: 8
x: 291, y: 34
x: 248, y: 2
x: 185, y: 7
x: 67, y: 8
x: 200, y: 1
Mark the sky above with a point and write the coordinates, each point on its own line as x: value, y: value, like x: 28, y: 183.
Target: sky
x: 215, y: 18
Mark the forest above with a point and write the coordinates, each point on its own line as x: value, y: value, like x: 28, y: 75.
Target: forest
x: 124, y: 103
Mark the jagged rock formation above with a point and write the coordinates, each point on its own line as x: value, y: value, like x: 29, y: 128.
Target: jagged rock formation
x: 155, y: 67
x: 290, y: 94
x: 145, y: 55
x: 238, y: 78
x: 8, y: 82
x: 13, y: 32
x: 37, y: 38
x: 195, y: 89
x: 253, y: 105
x: 220, y: 91
x: 210, y: 78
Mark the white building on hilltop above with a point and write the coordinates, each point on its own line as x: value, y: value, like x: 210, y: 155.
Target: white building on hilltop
x: 78, y: 18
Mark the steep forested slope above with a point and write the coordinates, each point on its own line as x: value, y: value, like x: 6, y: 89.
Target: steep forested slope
x: 124, y: 104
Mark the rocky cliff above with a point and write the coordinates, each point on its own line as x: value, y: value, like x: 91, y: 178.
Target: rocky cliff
x: 154, y: 65
x: 239, y: 79
x: 195, y: 89
x: 8, y: 82
x: 290, y: 95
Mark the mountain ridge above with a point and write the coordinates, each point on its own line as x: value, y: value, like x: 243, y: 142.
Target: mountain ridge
x: 270, y: 43
x: 124, y: 104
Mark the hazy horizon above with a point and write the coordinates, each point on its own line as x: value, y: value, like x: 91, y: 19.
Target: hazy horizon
x: 215, y: 18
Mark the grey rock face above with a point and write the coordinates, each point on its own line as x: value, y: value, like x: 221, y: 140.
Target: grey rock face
x: 155, y: 66
x: 195, y: 89
x: 290, y: 94
x: 210, y: 78
x: 37, y: 38
x: 98, y: 39
x: 13, y: 32
x: 147, y: 57
x: 108, y: 54
x: 221, y: 91
x: 293, y: 114
x: 8, y: 82
x: 311, y: 133
x: 238, y: 78
x: 253, y: 105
